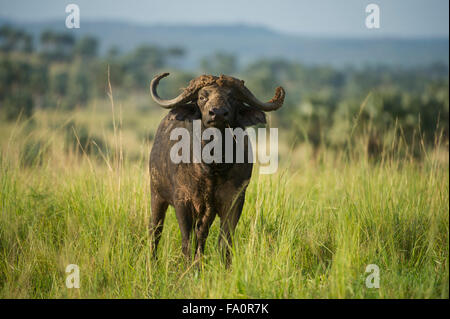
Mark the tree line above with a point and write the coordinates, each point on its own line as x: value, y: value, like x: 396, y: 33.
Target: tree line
x: 322, y: 102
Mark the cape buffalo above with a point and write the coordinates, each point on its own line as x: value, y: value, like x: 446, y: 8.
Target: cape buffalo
x: 200, y: 191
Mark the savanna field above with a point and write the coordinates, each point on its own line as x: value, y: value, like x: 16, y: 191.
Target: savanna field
x: 75, y: 190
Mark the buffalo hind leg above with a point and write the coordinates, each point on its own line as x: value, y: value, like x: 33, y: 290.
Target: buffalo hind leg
x: 159, y: 208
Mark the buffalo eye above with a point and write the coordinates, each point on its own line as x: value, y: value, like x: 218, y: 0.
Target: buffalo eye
x: 202, y: 98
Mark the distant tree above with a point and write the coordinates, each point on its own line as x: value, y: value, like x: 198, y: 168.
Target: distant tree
x: 176, y: 52
x: 27, y: 43
x: 112, y: 53
x: 80, y: 84
x: 86, y: 47
x: 57, y: 46
x: 18, y: 103
x: 12, y: 39
x: 59, y: 78
x: 141, y: 64
x: 174, y: 55
x: 7, y: 38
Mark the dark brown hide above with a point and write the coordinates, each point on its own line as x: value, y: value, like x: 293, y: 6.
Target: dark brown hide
x: 200, y: 191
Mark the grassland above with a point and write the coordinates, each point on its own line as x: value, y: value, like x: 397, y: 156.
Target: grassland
x: 308, y: 231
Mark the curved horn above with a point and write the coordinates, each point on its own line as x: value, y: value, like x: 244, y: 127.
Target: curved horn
x: 274, y: 104
x: 167, y: 104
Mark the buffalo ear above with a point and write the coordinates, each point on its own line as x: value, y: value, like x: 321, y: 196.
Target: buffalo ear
x: 185, y: 112
x: 248, y: 116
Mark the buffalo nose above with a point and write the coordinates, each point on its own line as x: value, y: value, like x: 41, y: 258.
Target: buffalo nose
x: 220, y: 113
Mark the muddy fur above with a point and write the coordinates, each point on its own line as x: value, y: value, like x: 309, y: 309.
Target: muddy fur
x: 200, y: 191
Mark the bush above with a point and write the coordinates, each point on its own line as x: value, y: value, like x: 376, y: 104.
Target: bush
x: 79, y: 140
x: 17, y: 103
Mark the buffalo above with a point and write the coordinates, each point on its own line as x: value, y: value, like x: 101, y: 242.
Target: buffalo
x: 199, y: 191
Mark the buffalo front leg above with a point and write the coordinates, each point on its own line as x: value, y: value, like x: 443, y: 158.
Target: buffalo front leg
x: 184, y: 217
x: 228, y: 222
x: 159, y: 207
x: 202, y: 230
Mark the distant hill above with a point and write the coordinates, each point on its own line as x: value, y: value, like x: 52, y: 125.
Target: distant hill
x: 253, y: 42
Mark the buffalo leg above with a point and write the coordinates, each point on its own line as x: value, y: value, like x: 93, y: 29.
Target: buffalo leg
x: 184, y: 217
x: 202, y: 231
x: 228, y: 224
x: 159, y: 207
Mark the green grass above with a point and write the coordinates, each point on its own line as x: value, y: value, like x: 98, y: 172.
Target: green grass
x: 308, y: 231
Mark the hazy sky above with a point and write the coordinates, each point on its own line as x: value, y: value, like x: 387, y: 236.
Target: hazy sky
x: 408, y: 18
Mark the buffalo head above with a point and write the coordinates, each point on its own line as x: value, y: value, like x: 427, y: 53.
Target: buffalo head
x: 219, y: 101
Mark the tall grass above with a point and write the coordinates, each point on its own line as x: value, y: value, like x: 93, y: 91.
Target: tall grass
x: 308, y: 231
